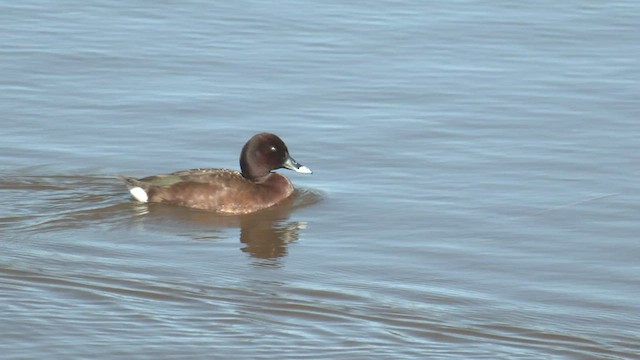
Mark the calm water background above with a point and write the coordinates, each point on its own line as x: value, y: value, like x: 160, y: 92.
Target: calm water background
x: 475, y: 192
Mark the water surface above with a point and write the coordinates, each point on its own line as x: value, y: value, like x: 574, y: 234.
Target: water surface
x: 474, y: 191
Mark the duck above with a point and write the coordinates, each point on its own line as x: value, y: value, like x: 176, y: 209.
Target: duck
x: 254, y: 188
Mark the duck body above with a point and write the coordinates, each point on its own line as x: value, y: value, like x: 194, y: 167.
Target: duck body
x: 254, y: 188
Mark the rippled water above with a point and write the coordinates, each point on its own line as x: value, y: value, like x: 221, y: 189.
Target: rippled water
x: 474, y: 191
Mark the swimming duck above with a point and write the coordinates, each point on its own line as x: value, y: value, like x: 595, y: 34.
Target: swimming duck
x: 254, y: 188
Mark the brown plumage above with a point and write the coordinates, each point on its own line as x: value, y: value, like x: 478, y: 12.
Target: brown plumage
x: 223, y: 190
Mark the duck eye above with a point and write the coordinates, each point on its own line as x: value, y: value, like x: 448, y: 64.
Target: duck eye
x: 273, y: 149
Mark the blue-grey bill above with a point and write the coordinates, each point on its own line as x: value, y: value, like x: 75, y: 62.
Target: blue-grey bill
x: 293, y: 165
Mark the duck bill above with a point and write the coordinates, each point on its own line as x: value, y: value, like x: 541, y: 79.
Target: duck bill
x: 291, y: 164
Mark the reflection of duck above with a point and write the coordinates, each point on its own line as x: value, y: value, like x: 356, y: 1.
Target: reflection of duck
x: 265, y: 234
x: 223, y: 190
x: 268, y: 233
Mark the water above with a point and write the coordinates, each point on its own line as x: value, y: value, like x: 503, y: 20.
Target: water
x: 474, y: 191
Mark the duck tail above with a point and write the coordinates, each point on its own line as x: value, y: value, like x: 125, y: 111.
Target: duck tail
x: 135, y: 188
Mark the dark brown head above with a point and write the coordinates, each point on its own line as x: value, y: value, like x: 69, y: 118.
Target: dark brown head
x: 266, y: 152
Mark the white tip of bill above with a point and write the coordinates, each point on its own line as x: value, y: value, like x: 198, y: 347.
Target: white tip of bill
x: 139, y: 194
x: 303, y: 169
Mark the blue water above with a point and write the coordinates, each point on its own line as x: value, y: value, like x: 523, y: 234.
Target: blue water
x: 474, y: 191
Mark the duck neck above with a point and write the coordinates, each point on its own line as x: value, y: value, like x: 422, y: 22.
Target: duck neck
x: 259, y: 179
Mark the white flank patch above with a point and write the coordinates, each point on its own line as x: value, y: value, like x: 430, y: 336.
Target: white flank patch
x: 139, y: 194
